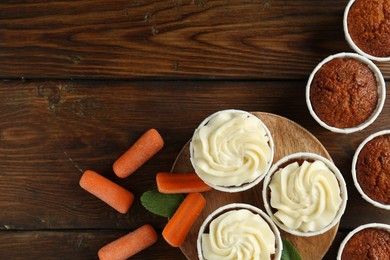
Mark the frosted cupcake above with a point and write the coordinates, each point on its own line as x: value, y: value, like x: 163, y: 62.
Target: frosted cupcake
x: 231, y: 150
x: 238, y: 231
x: 305, y: 194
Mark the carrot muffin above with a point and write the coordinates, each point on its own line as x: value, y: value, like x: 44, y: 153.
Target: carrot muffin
x: 304, y: 194
x: 231, y: 150
x: 344, y: 93
x: 238, y: 234
x: 373, y: 169
x: 369, y: 26
x: 369, y: 243
x: 238, y: 231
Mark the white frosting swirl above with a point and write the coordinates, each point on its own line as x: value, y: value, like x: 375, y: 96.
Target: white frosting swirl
x: 231, y: 149
x: 238, y: 234
x: 307, y: 197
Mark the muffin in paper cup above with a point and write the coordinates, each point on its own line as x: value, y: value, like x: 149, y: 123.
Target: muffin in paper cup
x: 304, y: 194
x: 366, y: 241
x: 345, y: 93
x: 239, y: 231
x: 371, y: 169
x: 361, y: 23
x: 231, y: 150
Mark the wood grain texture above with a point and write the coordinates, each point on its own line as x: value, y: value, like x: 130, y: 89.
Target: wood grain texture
x: 265, y: 39
x: 72, y: 244
x: 84, y: 244
x: 49, y: 130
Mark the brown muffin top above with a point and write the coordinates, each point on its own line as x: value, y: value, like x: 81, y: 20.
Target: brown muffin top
x: 369, y: 26
x: 373, y: 169
x: 344, y: 93
x: 369, y: 243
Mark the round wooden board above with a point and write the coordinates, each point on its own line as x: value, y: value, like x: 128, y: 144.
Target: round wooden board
x: 289, y: 137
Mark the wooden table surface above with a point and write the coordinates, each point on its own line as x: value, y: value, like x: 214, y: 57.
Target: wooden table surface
x: 82, y: 80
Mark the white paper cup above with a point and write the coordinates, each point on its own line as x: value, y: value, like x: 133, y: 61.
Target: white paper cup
x: 311, y: 157
x: 235, y: 206
x: 351, y: 43
x: 356, y: 230
x: 354, y: 162
x: 244, y: 186
x: 381, y: 93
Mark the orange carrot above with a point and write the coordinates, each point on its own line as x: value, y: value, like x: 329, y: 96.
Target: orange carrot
x: 140, y: 152
x: 106, y: 190
x: 178, y: 226
x: 129, y: 245
x: 171, y: 183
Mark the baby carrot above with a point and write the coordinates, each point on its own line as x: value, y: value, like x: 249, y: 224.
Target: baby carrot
x: 140, y: 152
x: 171, y: 183
x: 129, y: 245
x: 106, y: 190
x: 178, y: 226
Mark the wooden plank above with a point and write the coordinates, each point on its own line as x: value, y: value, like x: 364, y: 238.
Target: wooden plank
x: 84, y: 244
x: 50, y: 130
x: 171, y: 38
x: 73, y: 244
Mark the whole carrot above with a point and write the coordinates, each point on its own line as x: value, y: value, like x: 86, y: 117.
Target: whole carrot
x: 140, y: 152
x: 106, y: 190
x: 178, y: 226
x: 170, y: 183
x: 129, y: 245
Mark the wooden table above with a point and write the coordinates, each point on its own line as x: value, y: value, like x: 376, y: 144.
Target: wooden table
x: 82, y: 80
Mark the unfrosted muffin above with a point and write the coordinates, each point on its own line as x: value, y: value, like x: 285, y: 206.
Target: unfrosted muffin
x: 369, y: 26
x: 344, y: 93
x: 369, y: 241
x: 371, y: 169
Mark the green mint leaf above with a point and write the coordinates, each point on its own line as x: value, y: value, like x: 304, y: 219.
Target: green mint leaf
x: 164, y: 205
x: 289, y: 251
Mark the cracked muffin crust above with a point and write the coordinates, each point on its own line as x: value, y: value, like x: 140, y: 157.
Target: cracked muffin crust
x: 344, y: 93
x: 369, y: 243
x: 373, y: 169
x: 369, y: 26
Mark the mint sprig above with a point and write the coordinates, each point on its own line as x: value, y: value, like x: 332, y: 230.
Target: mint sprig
x: 289, y: 251
x: 164, y: 205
